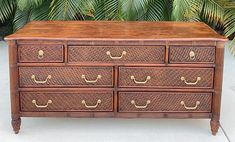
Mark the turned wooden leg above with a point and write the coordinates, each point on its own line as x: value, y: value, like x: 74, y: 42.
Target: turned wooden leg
x: 214, y: 126
x: 16, y: 124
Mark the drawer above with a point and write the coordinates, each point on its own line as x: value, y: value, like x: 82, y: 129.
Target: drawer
x: 125, y: 54
x: 57, y: 101
x: 166, y: 77
x: 40, y: 53
x: 189, y: 54
x: 66, y: 76
x: 164, y: 102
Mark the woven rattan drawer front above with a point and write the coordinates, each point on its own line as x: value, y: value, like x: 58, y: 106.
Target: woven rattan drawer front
x: 40, y: 53
x: 185, y: 54
x: 82, y: 101
x: 166, y: 77
x: 66, y: 76
x: 123, y: 54
x: 164, y: 102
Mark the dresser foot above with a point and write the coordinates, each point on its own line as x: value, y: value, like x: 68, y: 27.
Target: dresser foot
x: 16, y: 125
x: 214, y: 126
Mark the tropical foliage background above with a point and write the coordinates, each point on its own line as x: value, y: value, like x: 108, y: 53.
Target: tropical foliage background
x: 219, y: 14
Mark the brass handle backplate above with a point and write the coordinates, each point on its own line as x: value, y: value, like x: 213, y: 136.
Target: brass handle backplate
x: 190, y: 108
x: 192, y: 55
x: 140, y: 107
x: 116, y: 58
x: 41, y: 82
x: 92, y: 107
x: 91, y: 81
x: 140, y: 82
x: 40, y: 54
x: 42, y: 106
x: 190, y: 83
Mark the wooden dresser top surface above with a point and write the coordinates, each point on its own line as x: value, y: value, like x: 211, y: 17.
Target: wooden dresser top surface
x: 116, y: 30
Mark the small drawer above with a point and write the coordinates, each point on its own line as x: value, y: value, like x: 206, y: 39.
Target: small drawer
x: 166, y: 77
x: 57, y: 101
x: 41, y: 53
x: 164, y: 102
x: 111, y: 54
x: 191, y: 54
x: 66, y: 76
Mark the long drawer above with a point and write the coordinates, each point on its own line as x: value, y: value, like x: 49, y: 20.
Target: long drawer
x: 58, y: 101
x: 164, y: 102
x: 166, y: 77
x: 109, y: 54
x: 66, y: 76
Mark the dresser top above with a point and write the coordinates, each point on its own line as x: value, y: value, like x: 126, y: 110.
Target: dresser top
x: 116, y: 30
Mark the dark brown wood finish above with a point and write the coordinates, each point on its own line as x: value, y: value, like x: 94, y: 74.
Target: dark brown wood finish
x: 71, y: 49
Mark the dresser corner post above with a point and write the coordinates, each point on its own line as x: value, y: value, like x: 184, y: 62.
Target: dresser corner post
x: 218, y: 81
x: 14, y: 94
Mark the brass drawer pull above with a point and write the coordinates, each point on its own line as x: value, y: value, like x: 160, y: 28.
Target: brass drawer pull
x: 141, y: 107
x: 140, y: 82
x: 190, y: 108
x: 42, y: 106
x: 40, y: 54
x: 192, y: 55
x: 115, y: 58
x: 41, y: 82
x: 91, y: 81
x: 94, y: 106
x: 190, y: 83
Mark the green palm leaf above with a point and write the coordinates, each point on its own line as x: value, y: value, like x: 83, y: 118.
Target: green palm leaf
x: 7, y: 9
x: 65, y: 9
x: 106, y: 9
x: 133, y: 9
x: 24, y: 16
x: 229, y: 24
x: 154, y: 10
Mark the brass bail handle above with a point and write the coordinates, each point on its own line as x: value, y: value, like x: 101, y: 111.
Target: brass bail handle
x: 139, y: 106
x: 33, y: 77
x: 91, y: 106
x: 91, y: 81
x: 190, y: 108
x: 116, y: 58
x: 140, y: 82
x: 42, y: 106
x: 190, y: 83
x: 40, y: 54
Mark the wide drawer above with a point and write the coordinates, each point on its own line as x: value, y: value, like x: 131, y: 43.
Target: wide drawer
x: 66, y: 76
x: 166, y: 77
x: 57, y: 101
x: 191, y: 54
x: 164, y: 102
x: 40, y: 53
x: 125, y: 54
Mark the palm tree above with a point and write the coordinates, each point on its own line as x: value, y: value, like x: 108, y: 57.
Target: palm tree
x: 219, y: 14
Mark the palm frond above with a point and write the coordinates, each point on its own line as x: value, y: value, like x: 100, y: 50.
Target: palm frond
x: 24, y: 16
x: 105, y: 9
x: 181, y: 10
x: 154, y: 10
x: 28, y: 4
x: 7, y: 9
x: 229, y: 24
x: 133, y: 9
x: 65, y: 9
x: 213, y: 12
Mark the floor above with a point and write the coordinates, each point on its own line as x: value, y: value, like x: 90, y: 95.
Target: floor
x: 112, y: 130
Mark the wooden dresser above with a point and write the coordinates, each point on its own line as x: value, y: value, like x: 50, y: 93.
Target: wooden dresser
x: 116, y: 69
